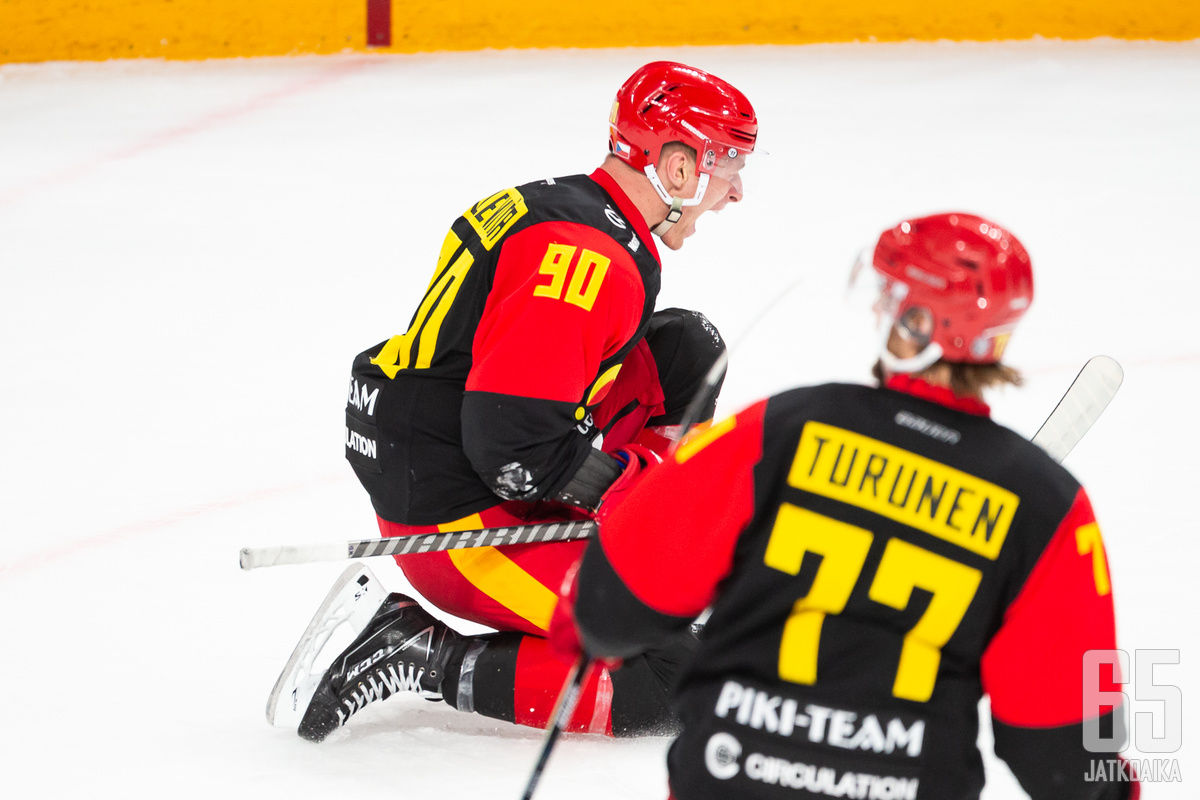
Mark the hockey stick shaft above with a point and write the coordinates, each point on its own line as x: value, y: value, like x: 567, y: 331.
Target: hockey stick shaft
x: 255, y: 557
x: 563, y: 709
x: 705, y: 393
x: 1087, y: 397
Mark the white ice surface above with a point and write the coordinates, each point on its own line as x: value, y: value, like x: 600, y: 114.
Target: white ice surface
x: 191, y: 254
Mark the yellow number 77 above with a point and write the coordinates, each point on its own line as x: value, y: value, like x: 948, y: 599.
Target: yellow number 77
x: 904, y: 567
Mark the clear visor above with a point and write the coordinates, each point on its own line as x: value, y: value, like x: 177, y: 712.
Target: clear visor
x: 726, y: 167
x: 868, y: 289
x: 884, y: 298
x: 718, y: 162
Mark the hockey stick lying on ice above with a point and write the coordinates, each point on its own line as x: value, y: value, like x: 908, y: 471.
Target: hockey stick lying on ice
x: 254, y: 557
x: 1087, y: 397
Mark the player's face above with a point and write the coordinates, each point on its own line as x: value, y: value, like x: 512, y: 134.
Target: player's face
x: 724, y: 187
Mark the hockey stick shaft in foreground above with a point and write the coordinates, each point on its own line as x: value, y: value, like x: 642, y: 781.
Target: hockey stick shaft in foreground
x: 568, y: 697
x: 1090, y: 393
x: 563, y: 710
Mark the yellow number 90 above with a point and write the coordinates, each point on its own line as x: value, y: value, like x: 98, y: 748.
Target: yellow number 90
x: 586, y: 278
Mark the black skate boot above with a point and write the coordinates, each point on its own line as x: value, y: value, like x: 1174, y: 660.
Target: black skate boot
x: 402, y: 648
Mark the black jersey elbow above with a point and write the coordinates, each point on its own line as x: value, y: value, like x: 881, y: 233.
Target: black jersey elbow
x: 522, y: 448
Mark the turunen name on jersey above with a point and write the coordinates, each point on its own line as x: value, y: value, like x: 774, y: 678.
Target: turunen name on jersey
x: 913, y: 490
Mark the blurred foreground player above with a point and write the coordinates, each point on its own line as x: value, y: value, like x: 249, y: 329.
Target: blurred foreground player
x: 877, y: 558
x: 536, y: 337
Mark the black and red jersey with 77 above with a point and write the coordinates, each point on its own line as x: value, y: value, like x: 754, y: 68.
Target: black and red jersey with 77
x: 875, y: 563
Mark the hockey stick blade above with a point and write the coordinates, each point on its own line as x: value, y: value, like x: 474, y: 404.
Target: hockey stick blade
x: 1085, y: 400
x: 1087, y: 397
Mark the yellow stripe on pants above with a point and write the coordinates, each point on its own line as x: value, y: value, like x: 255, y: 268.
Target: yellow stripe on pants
x: 497, y: 576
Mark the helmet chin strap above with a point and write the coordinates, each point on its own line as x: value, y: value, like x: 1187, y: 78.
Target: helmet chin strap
x: 672, y: 217
x: 921, y: 361
x: 677, y: 204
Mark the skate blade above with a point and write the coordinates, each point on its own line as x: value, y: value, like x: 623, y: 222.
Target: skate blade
x: 352, y: 602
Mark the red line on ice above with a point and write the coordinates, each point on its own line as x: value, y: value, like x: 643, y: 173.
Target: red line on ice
x: 1050, y: 369
x: 169, y: 136
x: 124, y: 533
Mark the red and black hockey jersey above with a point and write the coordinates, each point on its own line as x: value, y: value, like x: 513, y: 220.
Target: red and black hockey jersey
x: 540, y: 292
x: 877, y: 562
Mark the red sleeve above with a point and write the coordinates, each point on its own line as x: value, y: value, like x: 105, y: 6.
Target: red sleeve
x: 1033, y: 667
x: 672, y: 540
x: 564, y: 297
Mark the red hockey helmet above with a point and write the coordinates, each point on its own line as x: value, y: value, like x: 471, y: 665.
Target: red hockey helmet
x: 956, y: 284
x: 664, y: 102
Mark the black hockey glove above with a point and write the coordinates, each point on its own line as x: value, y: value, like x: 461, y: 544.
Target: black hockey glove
x: 589, y: 483
x: 603, y: 476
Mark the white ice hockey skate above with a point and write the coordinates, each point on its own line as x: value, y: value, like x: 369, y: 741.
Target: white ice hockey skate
x: 349, y: 606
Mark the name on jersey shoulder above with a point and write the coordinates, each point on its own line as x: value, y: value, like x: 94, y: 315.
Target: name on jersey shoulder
x: 913, y: 490
x: 492, y: 216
